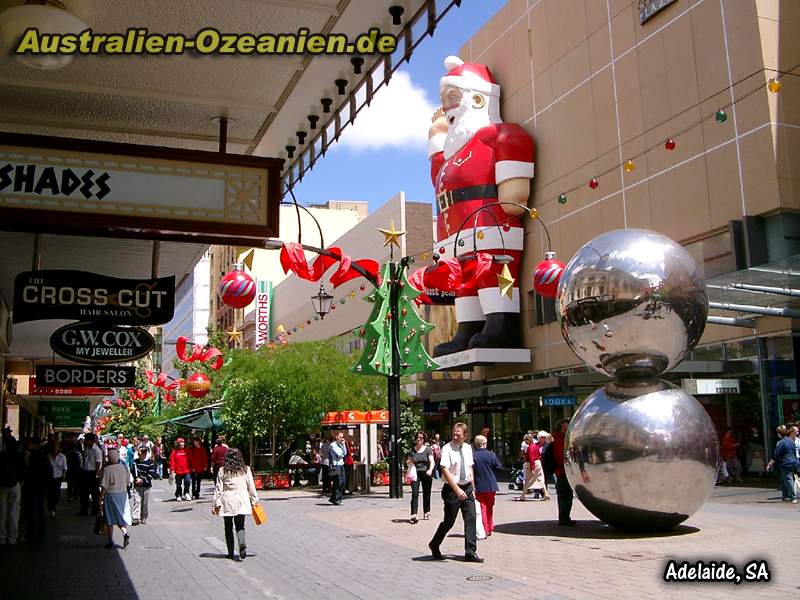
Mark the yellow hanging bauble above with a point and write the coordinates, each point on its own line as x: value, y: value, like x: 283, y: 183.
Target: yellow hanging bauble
x: 628, y: 166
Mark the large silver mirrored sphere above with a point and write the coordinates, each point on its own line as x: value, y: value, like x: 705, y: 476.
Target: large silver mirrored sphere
x: 632, y: 302
x: 641, y: 457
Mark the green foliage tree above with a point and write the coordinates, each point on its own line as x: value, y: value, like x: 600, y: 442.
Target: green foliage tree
x: 283, y: 391
x: 410, y: 425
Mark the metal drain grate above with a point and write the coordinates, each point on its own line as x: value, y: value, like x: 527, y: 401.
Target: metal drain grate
x: 480, y: 578
x: 356, y: 535
x: 157, y: 547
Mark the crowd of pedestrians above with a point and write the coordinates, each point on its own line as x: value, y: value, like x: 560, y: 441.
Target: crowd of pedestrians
x: 470, y: 481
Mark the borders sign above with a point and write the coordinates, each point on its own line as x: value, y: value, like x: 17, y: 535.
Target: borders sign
x: 75, y: 376
x: 101, y: 344
x: 62, y: 185
x: 65, y: 294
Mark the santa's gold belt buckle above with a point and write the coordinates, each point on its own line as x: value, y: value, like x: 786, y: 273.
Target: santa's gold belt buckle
x: 445, y: 200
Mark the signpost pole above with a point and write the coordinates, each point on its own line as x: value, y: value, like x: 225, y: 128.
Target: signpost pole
x: 395, y: 480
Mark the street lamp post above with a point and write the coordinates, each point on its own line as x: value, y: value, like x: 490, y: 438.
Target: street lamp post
x: 322, y: 302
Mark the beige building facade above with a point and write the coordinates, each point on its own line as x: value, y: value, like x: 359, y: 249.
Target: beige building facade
x: 596, y: 87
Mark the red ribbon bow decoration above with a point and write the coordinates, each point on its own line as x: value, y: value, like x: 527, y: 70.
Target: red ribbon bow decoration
x: 160, y: 381
x: 451, y: 275
x: 137, y: 394
x: 198, y: 353
x: 293, y: 259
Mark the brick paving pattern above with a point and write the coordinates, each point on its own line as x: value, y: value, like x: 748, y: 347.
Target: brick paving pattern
x: 368, y: 549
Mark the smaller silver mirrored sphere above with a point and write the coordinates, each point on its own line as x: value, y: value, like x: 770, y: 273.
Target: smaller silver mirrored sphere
x: 632, y: 303
x: 641, y: 457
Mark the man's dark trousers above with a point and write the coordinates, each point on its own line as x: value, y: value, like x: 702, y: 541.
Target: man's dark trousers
x: 337, y: 483
x: 88, y: 488
x: 452, y: 505
x: 564, y: 492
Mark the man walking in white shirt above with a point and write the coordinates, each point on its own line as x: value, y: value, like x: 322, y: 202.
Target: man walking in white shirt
x: 458, y: 494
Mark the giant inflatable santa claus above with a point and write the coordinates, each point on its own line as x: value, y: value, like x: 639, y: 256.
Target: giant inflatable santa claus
x: 477, y: 161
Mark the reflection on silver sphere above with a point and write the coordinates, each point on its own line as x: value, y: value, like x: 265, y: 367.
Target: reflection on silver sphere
x: 641, y: 456
x: 631, y: 303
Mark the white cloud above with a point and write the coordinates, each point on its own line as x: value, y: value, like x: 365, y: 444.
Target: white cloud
x: 398, y: 117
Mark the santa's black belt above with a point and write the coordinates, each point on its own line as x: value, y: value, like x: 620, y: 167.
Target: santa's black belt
x: 447, y: 198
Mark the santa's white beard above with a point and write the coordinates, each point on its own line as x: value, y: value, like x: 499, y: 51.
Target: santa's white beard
x: 467, y: 121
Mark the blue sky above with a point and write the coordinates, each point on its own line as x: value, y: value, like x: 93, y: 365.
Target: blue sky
x: 386, y: 151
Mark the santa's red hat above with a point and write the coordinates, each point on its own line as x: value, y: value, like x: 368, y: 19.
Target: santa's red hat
x: 472, y: 77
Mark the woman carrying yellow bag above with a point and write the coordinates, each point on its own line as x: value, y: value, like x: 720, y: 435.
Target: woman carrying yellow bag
x: 235, y: 497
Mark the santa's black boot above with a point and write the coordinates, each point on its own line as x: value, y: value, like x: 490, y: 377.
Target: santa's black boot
x: 466, y: 331
x: 502, y: 330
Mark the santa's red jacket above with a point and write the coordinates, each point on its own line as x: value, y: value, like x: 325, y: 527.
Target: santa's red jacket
x: 180, y: 461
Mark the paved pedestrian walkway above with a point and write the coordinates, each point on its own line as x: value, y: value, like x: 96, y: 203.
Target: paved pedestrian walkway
x: 368, y: 549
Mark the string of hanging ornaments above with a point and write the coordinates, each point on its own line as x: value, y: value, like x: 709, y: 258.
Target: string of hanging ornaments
x: 720, y: 115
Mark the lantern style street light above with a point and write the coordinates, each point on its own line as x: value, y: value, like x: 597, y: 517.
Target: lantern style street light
x: 322, y: 302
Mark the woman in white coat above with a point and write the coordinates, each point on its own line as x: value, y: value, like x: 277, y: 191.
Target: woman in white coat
x: 234, y: 497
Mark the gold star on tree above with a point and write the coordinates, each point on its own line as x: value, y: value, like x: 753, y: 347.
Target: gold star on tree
x: 234, y: 336
x: 392, y: 235
x: 505, y: 282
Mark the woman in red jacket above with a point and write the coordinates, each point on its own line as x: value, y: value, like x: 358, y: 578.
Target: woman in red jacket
x: 199, y: 464
x: 180, y: 467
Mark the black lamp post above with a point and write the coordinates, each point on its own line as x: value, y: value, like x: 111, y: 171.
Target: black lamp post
x: 322, y: 302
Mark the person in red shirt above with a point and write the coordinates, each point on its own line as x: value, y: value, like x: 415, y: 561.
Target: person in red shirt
x: 180, y: 467
x: 199, y: 465
x: 732, y: 463
x: 218, y: 456
x: 563, y: 488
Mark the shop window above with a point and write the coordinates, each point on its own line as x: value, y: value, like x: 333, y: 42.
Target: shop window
x: 544, y: 310
x: 741, y: 350
x: 710, y: 352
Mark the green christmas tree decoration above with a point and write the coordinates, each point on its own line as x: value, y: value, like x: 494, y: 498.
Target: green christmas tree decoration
x: 377, y: 332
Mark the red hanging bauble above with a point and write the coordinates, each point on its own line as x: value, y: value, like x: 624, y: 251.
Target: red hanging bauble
x: 593, y: 183
x: 237, y: 289
x: 362, y: 287
x: 198, y: 385
x: 547, y: 275
x: 669, y: 144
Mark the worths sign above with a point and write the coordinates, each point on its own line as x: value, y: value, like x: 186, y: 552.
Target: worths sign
x: 263, y: 313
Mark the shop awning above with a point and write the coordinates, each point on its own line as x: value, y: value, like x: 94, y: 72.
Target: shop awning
x: 769, y: 289
x: 204, y: 418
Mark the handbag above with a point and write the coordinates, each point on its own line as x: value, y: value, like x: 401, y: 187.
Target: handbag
x: 259, y: 516
x: 411, y: 473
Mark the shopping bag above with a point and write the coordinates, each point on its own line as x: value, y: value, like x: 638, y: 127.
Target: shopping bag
x: 797, y: 486
x: 411, y: 473
x: 259, y: 516
x: 480, y: 532
x: 100, y: 524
